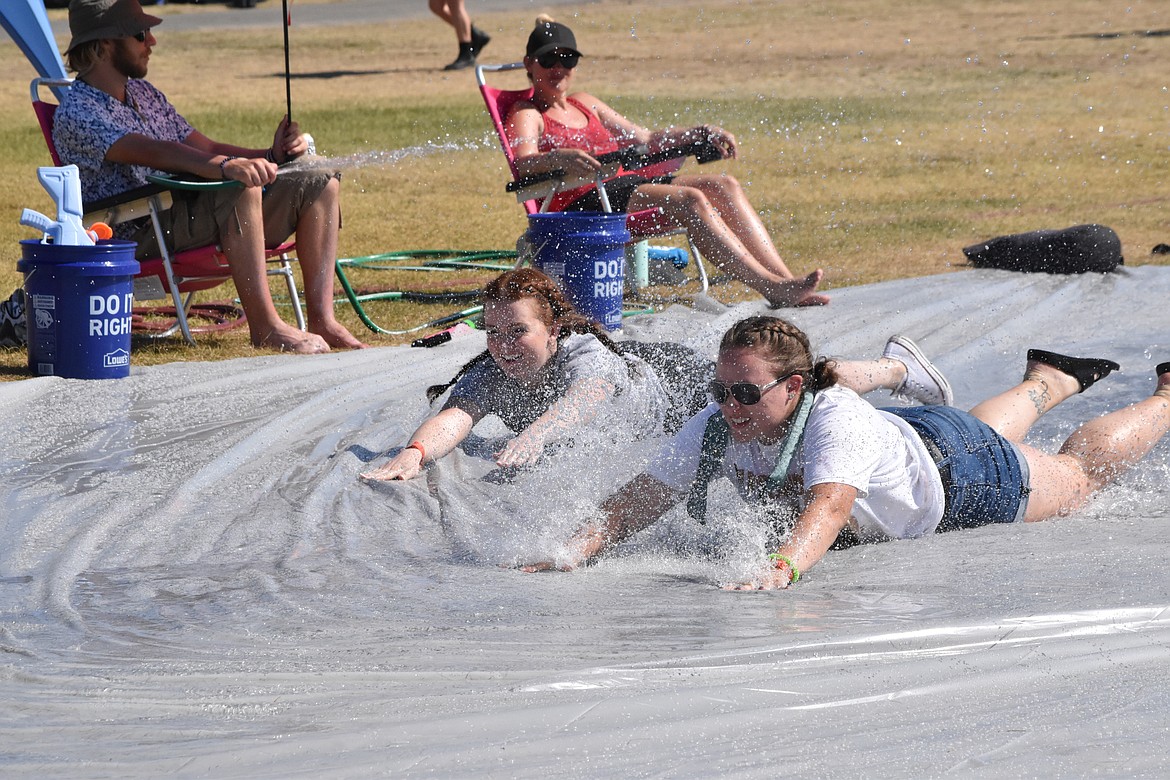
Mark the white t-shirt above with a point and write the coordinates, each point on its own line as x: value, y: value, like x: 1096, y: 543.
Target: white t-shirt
x: 847, y: 441
x: 636, y: 408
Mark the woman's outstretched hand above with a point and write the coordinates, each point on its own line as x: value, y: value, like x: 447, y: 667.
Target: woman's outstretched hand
x: 769, y: 579
x: 407, y: 464
x: 585, y: 544
x: 523, y: 450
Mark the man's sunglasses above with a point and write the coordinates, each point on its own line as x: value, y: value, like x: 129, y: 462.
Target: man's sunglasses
x: 744, y: 392
x: 141, y: 36
x: 566, y: 59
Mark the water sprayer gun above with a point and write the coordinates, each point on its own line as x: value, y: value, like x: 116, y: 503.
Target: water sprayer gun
x: 98, y: 231
x: 64, y: 186
x: 630, y: 158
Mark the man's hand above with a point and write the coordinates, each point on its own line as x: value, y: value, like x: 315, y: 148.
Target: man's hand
x: 287, y: 142
x: 251, y: 172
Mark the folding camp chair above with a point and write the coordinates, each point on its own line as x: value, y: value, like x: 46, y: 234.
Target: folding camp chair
x: 176, y: 274
x: 641, y: 224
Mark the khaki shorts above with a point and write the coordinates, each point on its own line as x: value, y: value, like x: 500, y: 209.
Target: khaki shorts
x: 199, y: 218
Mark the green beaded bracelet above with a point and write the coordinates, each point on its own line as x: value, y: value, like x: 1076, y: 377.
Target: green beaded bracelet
x: 794, y: 573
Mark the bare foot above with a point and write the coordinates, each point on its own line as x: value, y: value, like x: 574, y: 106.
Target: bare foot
x: 336, y: 335
x: 289, y: 339
x: 798, y: 292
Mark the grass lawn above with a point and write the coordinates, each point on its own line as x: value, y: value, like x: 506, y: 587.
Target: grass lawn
x: 877, y: 138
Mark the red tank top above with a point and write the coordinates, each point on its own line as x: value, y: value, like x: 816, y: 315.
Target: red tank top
x: 594, y: 138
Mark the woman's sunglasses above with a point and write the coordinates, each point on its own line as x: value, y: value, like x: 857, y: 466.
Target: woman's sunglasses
x: 566, y: 59
x: 744, y: 392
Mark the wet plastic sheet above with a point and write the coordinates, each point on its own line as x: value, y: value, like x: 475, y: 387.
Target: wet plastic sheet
x: 194, y: 583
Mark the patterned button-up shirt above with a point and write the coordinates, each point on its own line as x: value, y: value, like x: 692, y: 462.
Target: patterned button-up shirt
x: 89, y: 121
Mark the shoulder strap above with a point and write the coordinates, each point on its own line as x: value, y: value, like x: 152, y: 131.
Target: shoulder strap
x: 716, y: 436
x: 791, y: 442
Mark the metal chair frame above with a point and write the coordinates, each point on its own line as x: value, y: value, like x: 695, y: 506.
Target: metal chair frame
x: 178, y: 275
x: 641, y: 224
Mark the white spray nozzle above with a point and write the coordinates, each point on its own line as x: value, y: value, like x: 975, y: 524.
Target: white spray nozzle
x: 35, y: 219
x: 64, y: 186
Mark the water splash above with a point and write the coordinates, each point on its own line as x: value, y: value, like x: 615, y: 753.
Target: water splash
x: 378, y: 158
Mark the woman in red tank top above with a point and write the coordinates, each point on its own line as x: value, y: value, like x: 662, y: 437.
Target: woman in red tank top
x: 559, y: 130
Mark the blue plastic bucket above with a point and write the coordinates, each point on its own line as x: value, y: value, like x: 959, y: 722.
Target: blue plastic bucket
x: 78, y: 302
x: 584, y: 253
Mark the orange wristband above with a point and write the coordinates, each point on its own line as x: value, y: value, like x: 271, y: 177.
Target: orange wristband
x: 414, y: 445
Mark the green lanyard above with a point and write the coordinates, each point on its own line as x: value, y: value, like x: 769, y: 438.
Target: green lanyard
x: 716, y: 437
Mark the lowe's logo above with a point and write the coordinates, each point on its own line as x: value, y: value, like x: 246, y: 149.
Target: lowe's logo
x: 119, y: 357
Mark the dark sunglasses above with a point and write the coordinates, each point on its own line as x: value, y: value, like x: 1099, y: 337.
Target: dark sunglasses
x: 744, y: 392
x: 141, y: 36
x: 566, y: 59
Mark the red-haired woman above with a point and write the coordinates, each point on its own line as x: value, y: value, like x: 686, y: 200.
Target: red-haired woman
x: 548, y: 372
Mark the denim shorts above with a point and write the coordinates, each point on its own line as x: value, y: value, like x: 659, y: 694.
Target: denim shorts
x: 985, y: 476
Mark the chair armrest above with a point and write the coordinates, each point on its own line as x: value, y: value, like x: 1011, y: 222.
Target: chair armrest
x: 136, y: 203
x: 631, y: 158
x: 127, y: 205
x: 171, y: 182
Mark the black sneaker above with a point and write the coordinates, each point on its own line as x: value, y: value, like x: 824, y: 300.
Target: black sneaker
x: 466, y: 58
x: 479, y: 39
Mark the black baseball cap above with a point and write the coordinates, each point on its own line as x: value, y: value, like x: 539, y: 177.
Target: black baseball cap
x: 550, y: 36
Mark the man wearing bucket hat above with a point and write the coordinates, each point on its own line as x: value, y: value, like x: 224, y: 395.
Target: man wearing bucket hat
x: 117, y: 128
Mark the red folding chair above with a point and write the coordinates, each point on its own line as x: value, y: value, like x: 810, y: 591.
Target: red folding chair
x: 178, y: 275
x: 641, y: 224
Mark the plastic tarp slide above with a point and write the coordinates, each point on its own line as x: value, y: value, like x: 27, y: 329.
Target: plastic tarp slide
x: 195, y: 583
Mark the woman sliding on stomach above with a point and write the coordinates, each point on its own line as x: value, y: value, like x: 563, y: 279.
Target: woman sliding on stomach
x: 548, y: 372
x: 790, y: 436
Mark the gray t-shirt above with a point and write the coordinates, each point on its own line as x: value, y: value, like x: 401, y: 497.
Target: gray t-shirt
x: 636, y: 408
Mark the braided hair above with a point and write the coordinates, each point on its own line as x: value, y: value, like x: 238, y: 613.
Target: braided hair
x: 782, y: 344
x: 554, y: 309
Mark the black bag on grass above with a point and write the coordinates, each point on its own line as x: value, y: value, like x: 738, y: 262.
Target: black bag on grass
x: 1075, y: 250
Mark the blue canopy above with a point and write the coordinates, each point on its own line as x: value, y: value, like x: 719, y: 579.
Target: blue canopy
x: 28, y: 24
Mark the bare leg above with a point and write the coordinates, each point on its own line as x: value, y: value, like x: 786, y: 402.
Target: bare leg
x: 1014, y: 412
x: 690, y: 209
x: 243, y: 243
x: 865, y: 376
x: 731, y: 203
x: 316, y: 234
x: 454, y: 13
x: 1096, y: 453
x: 902, y: 369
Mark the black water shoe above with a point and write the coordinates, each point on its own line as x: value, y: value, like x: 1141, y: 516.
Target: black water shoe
x: 1085, y: 370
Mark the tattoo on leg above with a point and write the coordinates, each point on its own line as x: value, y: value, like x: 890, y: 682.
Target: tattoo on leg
x: 1041, y: 397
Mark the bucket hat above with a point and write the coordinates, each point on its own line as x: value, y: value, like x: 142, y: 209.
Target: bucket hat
x: 550, y: 36
x: 94, y: 20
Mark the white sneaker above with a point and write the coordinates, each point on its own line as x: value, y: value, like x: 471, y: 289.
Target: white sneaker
x: 924, y: 383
